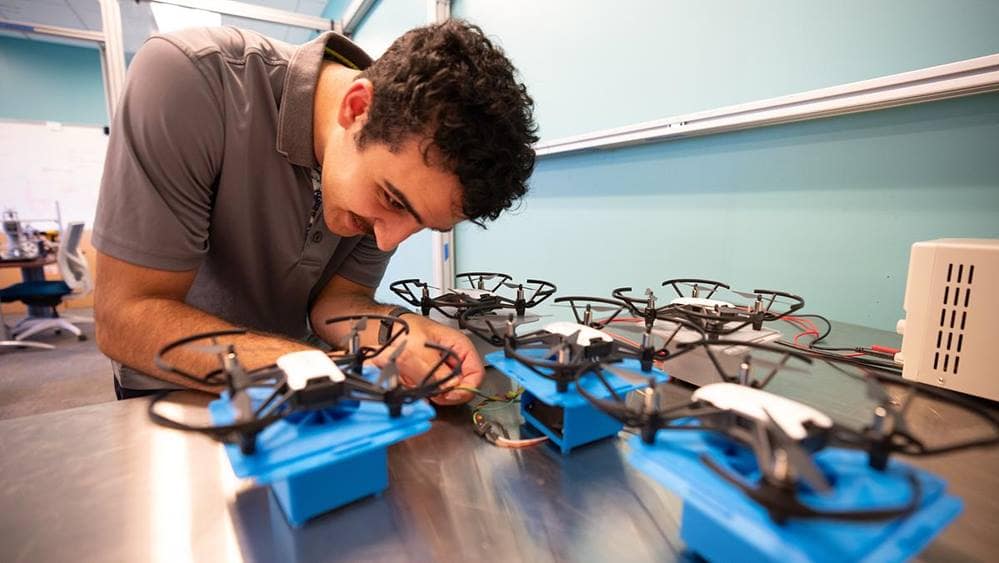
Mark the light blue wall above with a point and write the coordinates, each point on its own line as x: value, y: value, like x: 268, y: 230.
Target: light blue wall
x: 48, y: 82
x: 593, y: 65
x: 383, y: 24
x: 334, y: 9
x: 826, y: 208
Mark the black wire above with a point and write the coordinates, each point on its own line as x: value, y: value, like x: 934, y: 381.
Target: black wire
x: 863, y: 362
x: 813, y: 345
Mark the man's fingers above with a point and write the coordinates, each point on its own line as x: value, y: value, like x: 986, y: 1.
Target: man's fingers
x: 472, y: 372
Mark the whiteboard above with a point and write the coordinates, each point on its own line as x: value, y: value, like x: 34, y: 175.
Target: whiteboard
x: 42, y: 163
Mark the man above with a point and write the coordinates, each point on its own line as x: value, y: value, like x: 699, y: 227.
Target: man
x: 254, y: 184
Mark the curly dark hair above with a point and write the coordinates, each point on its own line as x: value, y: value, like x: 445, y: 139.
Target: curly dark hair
x: 449, y: 84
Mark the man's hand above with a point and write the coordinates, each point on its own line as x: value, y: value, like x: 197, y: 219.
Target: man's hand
x: 416, y: 360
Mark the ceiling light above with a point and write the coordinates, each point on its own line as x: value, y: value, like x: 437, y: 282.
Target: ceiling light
x: 171, y: 18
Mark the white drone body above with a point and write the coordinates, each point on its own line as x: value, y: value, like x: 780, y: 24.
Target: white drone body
x: 300, y: 367
x: 701, y: 302
x: 472, y: 292
x: 584, y: 335
x: 756, y: 404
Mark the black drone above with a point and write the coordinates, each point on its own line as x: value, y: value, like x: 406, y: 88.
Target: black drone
x: 305, y: 386
x: 713, y: 306
x: 481, y: 291
x: 564, y: 351
x: 781, y: 435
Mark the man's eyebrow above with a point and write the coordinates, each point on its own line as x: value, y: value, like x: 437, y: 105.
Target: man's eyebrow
x: 404, y: 201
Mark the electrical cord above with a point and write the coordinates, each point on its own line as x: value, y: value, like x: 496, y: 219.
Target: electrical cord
x: 854, y: 355
x: 491, y: 431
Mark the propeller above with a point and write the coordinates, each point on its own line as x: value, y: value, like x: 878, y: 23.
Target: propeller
x: 629, y: 375
x: 775, y: 367
x: 212, y: 348
x: 877, y: 392
x: 696, y: 286
x: 242, y: 406
x: 512, y: 285
x: 597, y: 308
x: 477, y: 279
x: 517, y: 320
x: 389, y: 373
x: 766, y: 296
x: 351, y: 342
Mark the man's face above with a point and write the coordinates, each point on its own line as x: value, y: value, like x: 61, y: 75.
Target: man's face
x: 390, y: 195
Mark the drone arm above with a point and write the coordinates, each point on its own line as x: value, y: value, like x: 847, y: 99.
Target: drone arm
x: 226, y: 433
x: 344, y: 298
x: 773, y: 372
x: 902, y: 440
x: 795, y: 302
x: 615, y: 408
x: 714, y: 285
x: 474, y: 279
x: 781, y: 504
x: 404, y: 289
x: 542, y: 290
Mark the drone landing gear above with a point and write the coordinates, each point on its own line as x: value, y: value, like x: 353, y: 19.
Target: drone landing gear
x: 316, y: 464
x: 568, y: 427
x: 720, y: 523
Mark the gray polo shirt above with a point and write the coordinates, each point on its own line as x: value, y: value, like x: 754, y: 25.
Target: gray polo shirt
x: 211, y: 166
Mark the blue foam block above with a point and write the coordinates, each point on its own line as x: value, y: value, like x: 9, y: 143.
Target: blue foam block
x: 720, y: 523
x: 316, y: 466
x: 577, y: 421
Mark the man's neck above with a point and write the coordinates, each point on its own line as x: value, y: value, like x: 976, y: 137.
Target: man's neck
x: 334, y: 79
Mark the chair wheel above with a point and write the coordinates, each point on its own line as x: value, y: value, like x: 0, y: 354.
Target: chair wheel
x: 82, y: 337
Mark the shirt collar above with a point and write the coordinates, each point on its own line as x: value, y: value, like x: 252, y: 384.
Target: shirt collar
x: 294, y: 136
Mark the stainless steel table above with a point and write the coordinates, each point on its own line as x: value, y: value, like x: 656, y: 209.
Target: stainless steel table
x: 102, y: 483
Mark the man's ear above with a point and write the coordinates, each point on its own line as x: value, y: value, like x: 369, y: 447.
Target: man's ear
x: 356, y: 103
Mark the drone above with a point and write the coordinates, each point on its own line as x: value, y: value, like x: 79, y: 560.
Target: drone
x: 481, y: 291
x: 563, y: 351
x: 703, y: 305
x: 309, y: 387
x: 772, y: 448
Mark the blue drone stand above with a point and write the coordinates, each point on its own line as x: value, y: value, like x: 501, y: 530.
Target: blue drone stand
x: 567, y: 418
x: 325, y: 459
x: 720, y: 523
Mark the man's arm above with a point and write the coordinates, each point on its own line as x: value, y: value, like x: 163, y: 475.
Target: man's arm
x: 342, y: 297
x: 139, y: 310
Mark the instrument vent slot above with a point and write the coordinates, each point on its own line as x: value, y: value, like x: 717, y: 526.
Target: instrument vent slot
x: 956, y: 299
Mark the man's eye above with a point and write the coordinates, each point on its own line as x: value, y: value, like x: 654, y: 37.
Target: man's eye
x: 395, y: 204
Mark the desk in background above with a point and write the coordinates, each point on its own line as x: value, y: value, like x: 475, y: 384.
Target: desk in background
x: 32, y: 270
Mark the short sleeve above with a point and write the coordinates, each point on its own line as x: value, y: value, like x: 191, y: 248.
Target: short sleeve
x: 163, y: 158
x: 366, y: 263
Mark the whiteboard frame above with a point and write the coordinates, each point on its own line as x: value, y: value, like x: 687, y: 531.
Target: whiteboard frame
x: 961, y: 78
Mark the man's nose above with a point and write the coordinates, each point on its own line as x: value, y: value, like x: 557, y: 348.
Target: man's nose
x: 389, y: 234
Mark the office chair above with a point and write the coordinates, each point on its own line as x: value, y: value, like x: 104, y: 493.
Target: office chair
x: 76, y: 281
